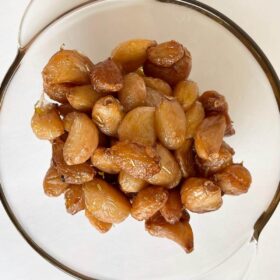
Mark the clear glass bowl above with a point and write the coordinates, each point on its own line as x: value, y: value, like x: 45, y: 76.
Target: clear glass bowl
x: 224, y: 59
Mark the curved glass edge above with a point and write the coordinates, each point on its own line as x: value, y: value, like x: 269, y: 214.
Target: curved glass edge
x: 243, y: 36
x: 44, y: 20
x: 19, y: 41
x: 247, y: 252
x: 30, y: 241
x: 219, y: 18
x: 267, y: 68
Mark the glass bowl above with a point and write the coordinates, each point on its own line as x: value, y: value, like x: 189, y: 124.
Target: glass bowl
x: 224, y: 59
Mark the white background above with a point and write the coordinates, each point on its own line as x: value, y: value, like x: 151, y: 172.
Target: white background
x: 259, y: 18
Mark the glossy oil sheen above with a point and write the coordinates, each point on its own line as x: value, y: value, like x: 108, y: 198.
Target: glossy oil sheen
x: 220, y: 62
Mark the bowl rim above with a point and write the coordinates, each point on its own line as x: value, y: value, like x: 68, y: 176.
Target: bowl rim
x: 204, y: 9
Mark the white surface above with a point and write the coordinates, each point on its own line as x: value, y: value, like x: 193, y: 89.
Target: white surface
x: 42, y: 18
x: 128, y: 259
x: 17, y: 254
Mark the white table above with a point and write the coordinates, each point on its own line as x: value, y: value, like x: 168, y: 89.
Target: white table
x: 260, y: 18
